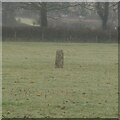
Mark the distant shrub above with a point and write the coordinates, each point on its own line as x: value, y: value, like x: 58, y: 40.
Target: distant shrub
x: 78, y: 33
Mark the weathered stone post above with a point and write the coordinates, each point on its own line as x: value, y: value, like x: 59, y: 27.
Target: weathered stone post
x: 59, y: 59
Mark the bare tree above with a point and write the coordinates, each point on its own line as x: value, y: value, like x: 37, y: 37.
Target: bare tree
x: 43, y: 14
x: 8, y: 13
x: 103, y: 12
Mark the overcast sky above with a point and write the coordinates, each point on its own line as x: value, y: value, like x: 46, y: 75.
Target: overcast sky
x: 59, y: 0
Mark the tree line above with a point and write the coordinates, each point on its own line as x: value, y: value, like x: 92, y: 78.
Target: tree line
x: 102, y: 9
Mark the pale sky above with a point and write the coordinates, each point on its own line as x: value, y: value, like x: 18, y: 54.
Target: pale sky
x: 59, y: 0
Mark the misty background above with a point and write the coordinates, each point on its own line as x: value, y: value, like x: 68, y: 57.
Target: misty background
x: 60, y: 21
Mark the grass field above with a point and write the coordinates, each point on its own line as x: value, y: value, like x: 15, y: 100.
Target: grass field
x: 87, y: 86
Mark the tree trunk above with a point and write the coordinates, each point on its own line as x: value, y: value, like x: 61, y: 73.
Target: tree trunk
x: 103, y: 12
x: 59, y: 59
x: 105, y: 15
x: 118, y: 14
x: 43, y: 18
x: 43, y: 15
x: 104, y: 24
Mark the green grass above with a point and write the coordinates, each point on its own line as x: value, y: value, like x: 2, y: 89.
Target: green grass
x: 87, y: 86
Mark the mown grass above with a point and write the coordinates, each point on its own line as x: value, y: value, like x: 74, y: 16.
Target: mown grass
x: 87, y: 86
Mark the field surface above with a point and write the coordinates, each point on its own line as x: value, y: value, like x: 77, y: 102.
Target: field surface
x: 87, y: 86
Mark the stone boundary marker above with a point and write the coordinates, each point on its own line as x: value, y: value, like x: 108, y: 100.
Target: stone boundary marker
x: 59, y: 61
